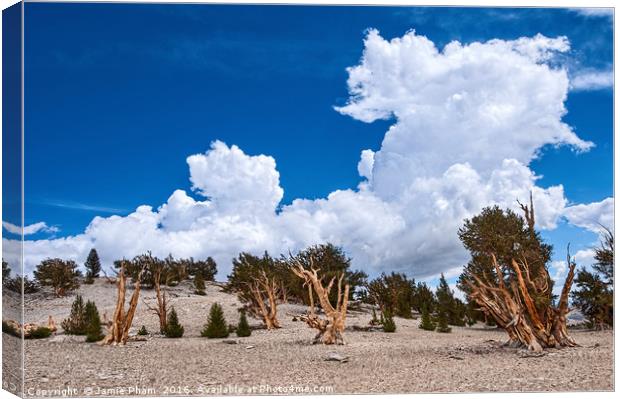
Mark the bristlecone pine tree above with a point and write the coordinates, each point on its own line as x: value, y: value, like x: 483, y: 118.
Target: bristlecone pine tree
x: 216, y: 326
x: 93, y: 266
x: 389, y: 326
x: 330, y: 329
x: 61, y: 275
x: 173, y: 328
x: 76, y: 323
x: 93, y: 323
x: 199, y: 284
x: 143, y: 331
x: 442, y: 321
x: 243, y: 328
x: 508, y: 278
x: 426, y: 323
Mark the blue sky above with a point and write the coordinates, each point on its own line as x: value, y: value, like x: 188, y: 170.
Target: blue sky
x: 118, y: 96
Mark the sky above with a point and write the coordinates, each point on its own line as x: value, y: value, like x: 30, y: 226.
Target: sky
x: 205, y: 130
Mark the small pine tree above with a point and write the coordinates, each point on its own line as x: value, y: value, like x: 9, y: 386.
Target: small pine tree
x: 374, y: 321
x: 40, y: 332
x: 442, y: 323
x: 173, y: 328
x: 199, y: 284
x: 75, y: 324
x: 93, y: 323
x: 389, y: 326
x: 243, y: 328
x: 93, y: 266
x: 216, y: 326
x: 143, y: 331
x: 427, y: 322
x: 59, y: 274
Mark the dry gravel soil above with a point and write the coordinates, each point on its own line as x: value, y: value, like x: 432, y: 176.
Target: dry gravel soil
x: 284, y: 362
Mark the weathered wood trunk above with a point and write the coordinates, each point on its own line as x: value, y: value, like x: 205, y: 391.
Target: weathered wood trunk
x: 265, y: 292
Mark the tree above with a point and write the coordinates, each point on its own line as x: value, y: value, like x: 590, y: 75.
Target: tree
x: 216, y: 326
x: 6, y: 272
x: 17, y: 283
x: 77, y: 322
x: 256, y: 281
x: 173, y: 328
x: 508, y: 277
x: 143, y: 331
x: 424, y: 298
x: 442, y: 322
x: 393, y: 293
x: 243, y: 327
x: 199, y: 285
x: 389, y: 326
x: 93, y: 323
x: 427, y: 322
x: 61, y: 275
x: 155, y: 268
x: 207, y: 268
x: 93, y: 266
x: 330, y: 329
x: 595, y: 294
x: 121, y: 321
x: 452, y: 307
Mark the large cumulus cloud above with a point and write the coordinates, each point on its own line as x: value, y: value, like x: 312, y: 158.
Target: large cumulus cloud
x: 468, y: 119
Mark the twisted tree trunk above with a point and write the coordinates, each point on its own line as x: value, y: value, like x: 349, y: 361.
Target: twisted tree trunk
x: 331, y: 329
x: 265, y: 292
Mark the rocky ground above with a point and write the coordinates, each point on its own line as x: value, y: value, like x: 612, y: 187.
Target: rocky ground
x: 283, y: 361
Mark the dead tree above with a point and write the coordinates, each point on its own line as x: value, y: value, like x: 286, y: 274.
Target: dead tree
x: 118, y: 333
x: 521, y: 303
x: 330, y: 329
x: 265, y: 292
x: 157, y: 268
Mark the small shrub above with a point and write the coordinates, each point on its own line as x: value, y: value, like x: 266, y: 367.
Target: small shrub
x: 9, y: 329
x: 442, y: 323
x: 93, y: 323
x: 243, y: 327
x: 216, y: 324
x: 76, y: 323
x: 199, y: 284
x: 40, y: 332
x: 143, y: 331
x: 374, y: 321
x: 173, y: 328
x: 427, y: 322
x: 389, y: 326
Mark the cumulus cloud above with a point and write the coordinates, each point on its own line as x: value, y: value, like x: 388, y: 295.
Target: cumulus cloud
x: 592, y: 80
x: 594, y: 12
x: 468, y: 119
x: 40, y: 227
x: 593, y: 216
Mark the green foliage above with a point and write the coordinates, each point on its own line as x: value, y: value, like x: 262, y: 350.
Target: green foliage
x: 93, y: 266
x: 199, y: 285
x: 206, y: 268
x: 59, y: 274
x: 15, y: 284
x: 243, y: 327
x: 604, y: 256
x: 427, y: 322
x: 39, y: 333
x: 452, y: 307
x: 374, y: 321
x: 424, y: 297
x: 173, y: 328
x: 389, y: 326
x: 6, y: 272
x: 9, y: 329
x: 594, y: 295
x: 76, y: 323
x: 143, y: 331
x: 93, y: 323
x: 442, y: 322
x: 216, y: 326
x: 506, y: 235
x: 394, y: 293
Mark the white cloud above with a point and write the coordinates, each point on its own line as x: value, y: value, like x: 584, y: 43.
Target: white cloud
x: 39, y: 227
x: 468, y: 120
x: 595, y: 12
x: 592, y: 80
x: 593, y: 216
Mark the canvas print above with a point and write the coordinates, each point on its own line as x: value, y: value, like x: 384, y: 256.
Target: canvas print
x: 212, y: 200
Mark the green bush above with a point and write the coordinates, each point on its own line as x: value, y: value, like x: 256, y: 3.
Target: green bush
x: 216, y: 325
x: 143, y: 331
x: 76, y: 323
x: 9, y: 329
x: 93, y: 323
x: 442, y: 323
x: 427, y: 322
x: 40, y: 332
x: 243, y: 328
x: 173, y: 328
x: 199, y: 284
x: 389, y: 326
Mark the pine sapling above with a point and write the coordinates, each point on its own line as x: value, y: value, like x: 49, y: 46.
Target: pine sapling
x: 243, y: 328
x: 216, y: 326
x: 173, y: 328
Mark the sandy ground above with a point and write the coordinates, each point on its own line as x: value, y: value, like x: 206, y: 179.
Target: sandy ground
x: 283, y: 361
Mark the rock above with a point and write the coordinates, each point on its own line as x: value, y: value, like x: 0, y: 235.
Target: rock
x: 456, y: 357
x: 249, y: 347
x: 230, y: 341
x: 336, y: 357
